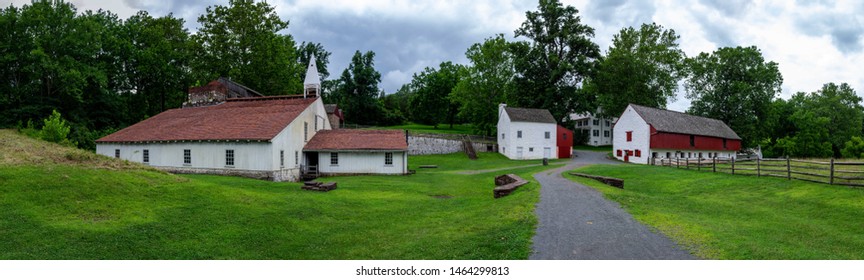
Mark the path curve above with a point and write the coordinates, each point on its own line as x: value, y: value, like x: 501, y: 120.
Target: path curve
x: 577, y: 222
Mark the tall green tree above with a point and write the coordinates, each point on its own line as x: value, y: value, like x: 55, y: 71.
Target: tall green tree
x: 241, y: 41
x: 641, y: 67
x: 157, y: 71
x: 488, y: 81
x: 736, y: 86
x: 842, y: 106
x: 431, y: 103
x: 557, y: 59
x: 357, y: 89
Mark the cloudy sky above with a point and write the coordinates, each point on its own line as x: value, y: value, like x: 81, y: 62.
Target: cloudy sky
x: 814, y: 42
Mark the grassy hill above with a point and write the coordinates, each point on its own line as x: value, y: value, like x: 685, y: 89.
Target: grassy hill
x: 63, y: 203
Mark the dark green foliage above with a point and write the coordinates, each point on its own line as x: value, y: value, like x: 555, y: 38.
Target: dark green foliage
x: 558, y: 57
x: 241, y: 41
x: 854, y: 148
x: 736, y: 86
x: 486, y: 83
x: 817, y: 124
x: 357, y: 90
x: 430, y: 101
x: 641, y: 67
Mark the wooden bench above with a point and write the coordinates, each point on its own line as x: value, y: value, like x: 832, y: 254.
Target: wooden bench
x: 318, y: 186
x: 506, y: 184
x: 615, y: 182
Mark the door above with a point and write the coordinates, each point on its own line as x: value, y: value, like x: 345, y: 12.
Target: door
x: 518, y: 152
x: 547, y: 152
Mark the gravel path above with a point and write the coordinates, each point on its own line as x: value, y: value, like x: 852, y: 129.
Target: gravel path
x: 577, y: 222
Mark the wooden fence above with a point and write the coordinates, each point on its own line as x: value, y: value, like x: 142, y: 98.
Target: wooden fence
x: 827, y: 172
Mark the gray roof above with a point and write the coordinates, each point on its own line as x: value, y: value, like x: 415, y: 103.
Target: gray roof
x: 677, y: 122
x: 529, y: 115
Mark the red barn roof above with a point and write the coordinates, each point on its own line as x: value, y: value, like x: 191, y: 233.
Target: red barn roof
x: 357, y: 140
x: 237, y: 119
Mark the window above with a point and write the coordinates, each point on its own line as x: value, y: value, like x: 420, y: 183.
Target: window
x: 692, y: 141
x: 668, y: 155
x: 187, y: 157
x: 700, y: 154
x: 530, y: 149
x: 689, y: 155
x: 618, y: 153
x: 388, y: 158
x: 596, y: 133
x: 281, y: 158
x: 547, y: 134
x: 724, y: 143
x: 519, y: 134
x: 305, y: 131
x: 608, y: 124
x: 502, y: 136
x: 629, y: 136
x: 116, y: 153
x: 638, y: 153
x: 229, y: 157
x: 605, y: 133
x: 316, y: 123
x: 596, y: 122
x: 654, y: 155
x: 296, y: 158
x: 334, y: 158
x: 146, y: 158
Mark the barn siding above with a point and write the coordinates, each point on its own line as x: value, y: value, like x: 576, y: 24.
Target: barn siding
x: 641, y: 133
x: 674, y: 141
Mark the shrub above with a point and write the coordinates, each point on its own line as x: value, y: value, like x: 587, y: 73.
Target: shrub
x: 853, y: 148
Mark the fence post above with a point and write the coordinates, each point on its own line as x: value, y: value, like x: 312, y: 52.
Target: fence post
x: 714, y: 164
x: 788, y: 169
x: 677, y: 163
x: 699, y: 164
x: 687, y: 162
x: 831, y: 182
x: 757, y: 168
x: 733, y: 165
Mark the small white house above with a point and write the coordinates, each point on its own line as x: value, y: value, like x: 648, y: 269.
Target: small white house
x: 643, y: 133
x: 348, y: 151
x: 525, y: 133
x: 599, y: 130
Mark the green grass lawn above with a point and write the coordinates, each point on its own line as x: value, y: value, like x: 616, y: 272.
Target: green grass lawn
x: 724, y: 216
x: 53, y: 209
x: 442, y: 128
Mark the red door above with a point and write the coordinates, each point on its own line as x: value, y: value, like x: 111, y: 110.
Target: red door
x: 627, y: 157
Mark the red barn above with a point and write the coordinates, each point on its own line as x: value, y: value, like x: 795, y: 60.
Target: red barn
x: 565, y: 142
x: 644, y: 132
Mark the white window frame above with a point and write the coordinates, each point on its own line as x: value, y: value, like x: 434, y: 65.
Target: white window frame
x: 388, y: 159
x: 519, y: 134
x: 145, y: 156
x: 116, y: 153
x: 548, y: 135
x: 187, y: 157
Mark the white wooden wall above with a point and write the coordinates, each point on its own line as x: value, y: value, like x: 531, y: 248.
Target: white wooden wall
x: 363, y: 163
x: 641, y: 136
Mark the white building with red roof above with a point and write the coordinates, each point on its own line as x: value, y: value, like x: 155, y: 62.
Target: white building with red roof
x: 275, y: 138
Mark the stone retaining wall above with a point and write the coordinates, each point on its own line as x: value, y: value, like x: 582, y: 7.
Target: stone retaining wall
x: 426, y: 145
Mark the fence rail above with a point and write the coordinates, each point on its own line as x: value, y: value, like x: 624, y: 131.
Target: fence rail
x: 830, y: 172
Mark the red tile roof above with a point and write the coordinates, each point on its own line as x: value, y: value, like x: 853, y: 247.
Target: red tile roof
x: 238, y: 119
x: 357, y: 140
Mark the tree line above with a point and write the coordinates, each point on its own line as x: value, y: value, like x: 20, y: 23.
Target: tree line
x: 103, y: 73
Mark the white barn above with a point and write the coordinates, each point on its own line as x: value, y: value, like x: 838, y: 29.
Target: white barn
x: 525, y: 133
x: 643, y: 133
x: 258, y: 137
